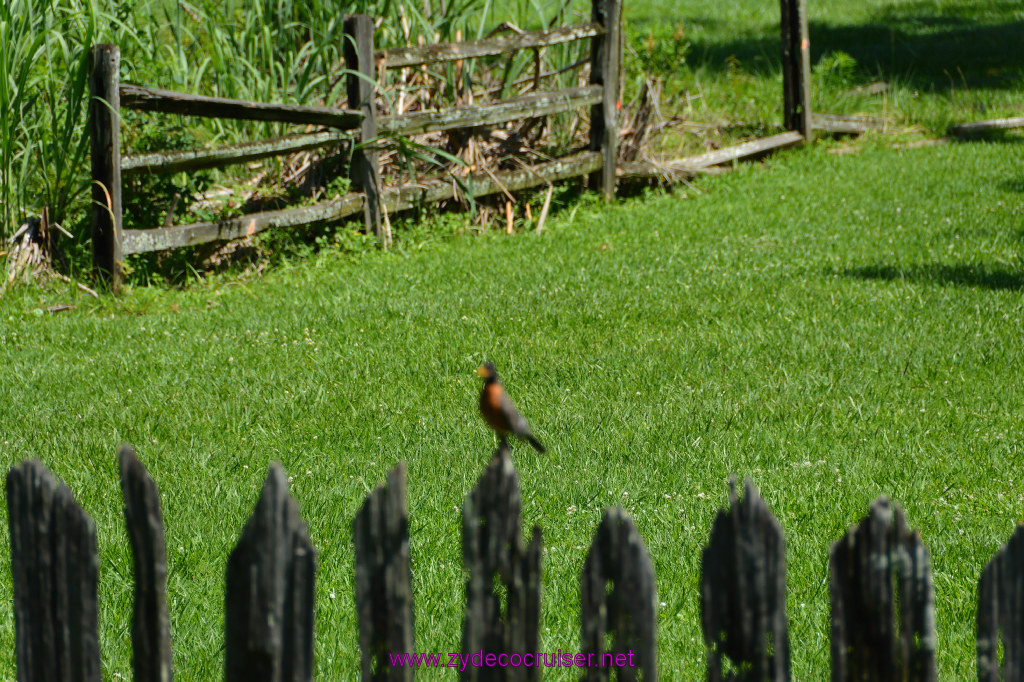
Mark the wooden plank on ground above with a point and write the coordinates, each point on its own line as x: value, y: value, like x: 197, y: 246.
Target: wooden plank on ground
x: 449, y: 52
x: 169, y: 102
x: 982, y: 127
x: 847, y: 125
x: 242, y: 152
x: 668, y: 170
x: 527, y: 106
x: 742, y: 151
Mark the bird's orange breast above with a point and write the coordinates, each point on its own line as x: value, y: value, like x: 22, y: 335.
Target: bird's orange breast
x: 491, y: 407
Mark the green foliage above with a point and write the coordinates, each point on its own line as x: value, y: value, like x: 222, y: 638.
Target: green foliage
x: 338, y: 185
x: 663, y: 53
x: 147, y: 198
x: 837, y: 69
x: 43, y: 103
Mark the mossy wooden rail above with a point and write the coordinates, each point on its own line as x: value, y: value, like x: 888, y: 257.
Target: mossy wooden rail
x: 882, y: 600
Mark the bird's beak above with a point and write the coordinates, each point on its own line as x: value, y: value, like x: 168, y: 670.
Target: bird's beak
x: 481, y: 371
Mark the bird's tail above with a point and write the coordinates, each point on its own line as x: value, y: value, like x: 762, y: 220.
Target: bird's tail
x: 536, y: 444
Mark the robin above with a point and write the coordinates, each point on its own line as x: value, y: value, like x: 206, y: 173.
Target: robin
x: 499, y: 411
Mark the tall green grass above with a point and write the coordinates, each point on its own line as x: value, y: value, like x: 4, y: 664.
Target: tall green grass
x: 43, y: 92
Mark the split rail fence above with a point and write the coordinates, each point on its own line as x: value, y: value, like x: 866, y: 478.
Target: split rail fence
x: 882, y: 604
x: 359, y: 125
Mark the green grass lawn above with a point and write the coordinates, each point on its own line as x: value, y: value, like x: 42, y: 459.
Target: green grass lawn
x: 836, y: 327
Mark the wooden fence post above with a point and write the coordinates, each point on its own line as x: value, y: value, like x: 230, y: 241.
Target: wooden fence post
x: 360, y: 86
x: 55, y: 568
x: 105, y: 139
x: 151, y: 629
x: 743, y: 591
x: 383, y: 580
x: 493, y: 550
x: 269, y: 596
x: 627, y: 611
x: 883, y: 609
x: 605, y: 70
x: 796, y: 68
x: 1000, y: 621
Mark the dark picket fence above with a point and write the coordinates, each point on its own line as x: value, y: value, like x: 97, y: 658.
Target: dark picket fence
x: 883, y: 613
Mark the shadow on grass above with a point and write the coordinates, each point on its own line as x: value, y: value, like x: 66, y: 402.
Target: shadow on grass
x: 963, y: 45
x: 1013, y: 185
x: 992, y: 277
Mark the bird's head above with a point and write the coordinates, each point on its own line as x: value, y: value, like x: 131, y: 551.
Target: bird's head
x: 487, y: 372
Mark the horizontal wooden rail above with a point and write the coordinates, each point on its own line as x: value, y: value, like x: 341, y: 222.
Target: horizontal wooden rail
x: 483, y: 184
x: 526, y: 106
x: 533, y: 104
x: 448, y: 52
x: 161, y: 239
x: 394, y: 199
x: 242, y: 152
x: 169, y: 102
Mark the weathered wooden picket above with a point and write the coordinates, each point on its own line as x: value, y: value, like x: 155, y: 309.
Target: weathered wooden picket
x: 359, y: 125
x: 883, y: 613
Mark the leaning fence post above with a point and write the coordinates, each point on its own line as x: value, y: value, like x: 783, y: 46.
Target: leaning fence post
x: 365, y: 170
x: 743, y: 591
x: 271, y: 575
x: 618, y: 597
x: 605, y: 70
x: 999, y: 620
x: 796, y: 68
x: 493, y: 551
x: 151, y: 630
x: 55, y: 567
x: 883, y: 609
x: 383, y: 581
x: 105, y: 139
